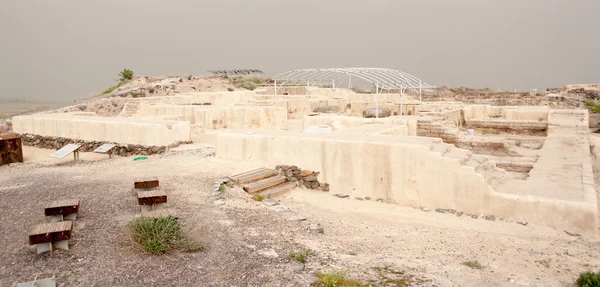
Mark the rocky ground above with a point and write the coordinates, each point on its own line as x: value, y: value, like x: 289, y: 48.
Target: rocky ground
x: 248, y: 243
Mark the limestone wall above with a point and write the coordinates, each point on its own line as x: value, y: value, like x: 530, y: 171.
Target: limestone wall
x: 406, y: 171
x: 338, y: 123
x: 222, y: 117
x: 109, y: 129
x: 357, y: 108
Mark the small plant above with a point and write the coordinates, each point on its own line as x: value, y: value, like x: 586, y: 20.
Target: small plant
x: 335, y: 279
x: 588, y: 279
x: 589, y: 103
x: 135, y: 94
x: 125, y: 75
x: 249, y: 86
x: 473, y: 264
x: 301, y: 256
x: 258, y: 198
x: 111, y: 89
x: 222, y: 187
x: 158, y: 236
x: 230, y: 89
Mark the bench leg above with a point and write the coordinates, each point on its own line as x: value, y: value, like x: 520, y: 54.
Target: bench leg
x: 62, y: 245
x: 56, y: 218
x: 146, y: 207
x: 72, y: 217
x: 43, y: 247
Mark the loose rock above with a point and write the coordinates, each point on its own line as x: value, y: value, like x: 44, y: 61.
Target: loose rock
x: 314, y: 228
x: 309, y: 279
x: 298, y: 218
x: 425, y: 208
x: 359, y: 198
x: 268, y: 252
x: 475, y: 216
x: 440, y: 210
x: 573, y: 234
x: 269, y: 202
x: 459, y: 214
x: 490, y: 217
x: 524, y: 223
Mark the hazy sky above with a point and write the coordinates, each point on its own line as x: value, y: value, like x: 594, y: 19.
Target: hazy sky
x: 61, y: 50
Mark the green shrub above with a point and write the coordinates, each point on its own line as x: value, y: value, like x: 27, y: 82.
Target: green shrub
x: 248, y: 86
x: 588, y: 279
x: 335, y: 279
x: 258, y: 198
x: 125, y: 75
x: 230, y: 89
x: 111, y: 89
x: 135, y: 94
x: 158, y: 236
x: 596, y: 109
x: 589, y: 103
x: 473, y: 264
x: 222, y: 187
x: 301, y: 256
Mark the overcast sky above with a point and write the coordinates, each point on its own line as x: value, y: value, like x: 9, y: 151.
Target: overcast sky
x: 62, y: 50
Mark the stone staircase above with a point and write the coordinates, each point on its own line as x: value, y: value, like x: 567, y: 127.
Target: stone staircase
x: 130, y: 109
x: 263, y: 182
x: 492, y: 174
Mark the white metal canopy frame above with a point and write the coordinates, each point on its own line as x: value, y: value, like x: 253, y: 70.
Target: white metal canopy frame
x: 381, y: 78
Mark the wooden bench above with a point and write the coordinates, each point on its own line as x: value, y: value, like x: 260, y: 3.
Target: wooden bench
x: 60, y: 210
x: 150, y: 199
x: 49, y: 236
x: 146, y: 183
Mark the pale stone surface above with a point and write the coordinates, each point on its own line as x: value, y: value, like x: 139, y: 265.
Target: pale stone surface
x: 110, y: 129
x: 268, y: 252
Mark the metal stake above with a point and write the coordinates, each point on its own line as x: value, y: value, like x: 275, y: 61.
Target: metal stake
x: 377, y: 99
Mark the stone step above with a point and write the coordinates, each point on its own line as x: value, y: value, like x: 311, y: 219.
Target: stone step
x: 278, y: 189
x: 253, y: 175
x: 264, y: 184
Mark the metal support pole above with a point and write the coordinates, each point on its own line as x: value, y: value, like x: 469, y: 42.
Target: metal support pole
x: 377, y: 99
x: 420, y: 102
x: 401, y: 96
x: 349, y: 82
x: 274, y: 91
x: 308, y: 96
x: 333, y: 88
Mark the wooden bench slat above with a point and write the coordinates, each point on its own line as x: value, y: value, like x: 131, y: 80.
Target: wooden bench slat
x: 148, y: 182
x: 49, y: 232
x: 149, y: 197
x: 62, y: 207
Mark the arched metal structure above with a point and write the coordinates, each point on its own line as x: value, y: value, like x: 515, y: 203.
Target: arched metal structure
x: 386, y: 79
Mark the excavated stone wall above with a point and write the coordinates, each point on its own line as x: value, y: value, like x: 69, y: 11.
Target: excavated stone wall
x: 88, y: 146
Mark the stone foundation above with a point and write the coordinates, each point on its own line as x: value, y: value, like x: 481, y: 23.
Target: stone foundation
x: 88, y: 146
x: 304, y: 178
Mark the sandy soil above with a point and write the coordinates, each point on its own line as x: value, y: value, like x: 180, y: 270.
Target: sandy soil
x: 368, y: 240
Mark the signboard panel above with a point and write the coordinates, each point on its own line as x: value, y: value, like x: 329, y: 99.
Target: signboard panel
x: 65, y: 151
x: 105, y: 148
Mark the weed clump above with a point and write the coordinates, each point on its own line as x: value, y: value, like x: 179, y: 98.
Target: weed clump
x: 588, y: 279
x: 258, y: 198
x: 335, y: 279
x: 473, y: 264
x: 301, y: 256
x: 160, y: 235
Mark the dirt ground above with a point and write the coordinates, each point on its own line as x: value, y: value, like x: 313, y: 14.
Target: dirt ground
x: 370, y: 241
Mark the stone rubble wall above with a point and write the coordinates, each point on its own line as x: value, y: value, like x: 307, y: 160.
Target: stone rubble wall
x: 303, y: 177
x: 88, y: 146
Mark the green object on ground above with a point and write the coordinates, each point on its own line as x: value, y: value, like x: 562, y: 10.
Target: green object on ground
x: 140, y: 158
